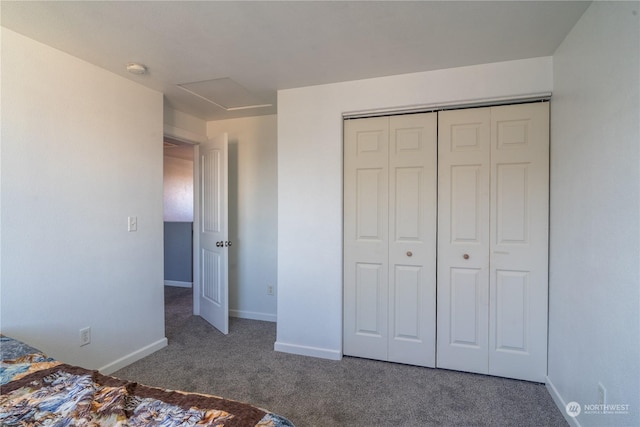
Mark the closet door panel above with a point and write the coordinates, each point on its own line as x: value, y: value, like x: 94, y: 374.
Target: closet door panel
x: 366, y: 235
x: 369, y: 284
x: 407, y: 223
x: 512, y: 311
x: 463, y: 239
x: 519, y: 241
x: 370, y: 191
x: 465, y: 195
x: 412, y: 231
x: 512, y: 203
x: 406, y: 301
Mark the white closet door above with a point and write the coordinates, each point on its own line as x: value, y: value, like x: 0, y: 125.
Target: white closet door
x: 463, y: 239
x: 389, y: 238
x: 519, y: 241
x: 412, y: 237
x: 493, y: 240
x: 485, y: 172
x: 366, y: 230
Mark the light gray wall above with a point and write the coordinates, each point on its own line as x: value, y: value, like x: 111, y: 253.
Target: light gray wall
x: 178, y: 217
x: 594, y: 334
x: 81, y: 151
x: 253, y: 214
x: 178, y: 249
x: 178, y: 189
x: 183, y: 126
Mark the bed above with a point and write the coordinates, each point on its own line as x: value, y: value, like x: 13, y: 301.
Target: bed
x: 38, y: 390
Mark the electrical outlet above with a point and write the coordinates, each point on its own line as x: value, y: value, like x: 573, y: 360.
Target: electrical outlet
x: 85, y: 336
x: 602, y: 394
x: 269, y: 290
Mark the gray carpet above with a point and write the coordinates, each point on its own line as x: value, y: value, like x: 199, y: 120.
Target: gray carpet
x: 315, y: 392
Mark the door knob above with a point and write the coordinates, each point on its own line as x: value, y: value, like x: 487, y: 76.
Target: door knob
x: 409, y: 253
x: 465, y: 256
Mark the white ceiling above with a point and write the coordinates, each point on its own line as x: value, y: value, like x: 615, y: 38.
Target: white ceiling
x: 266, y: 46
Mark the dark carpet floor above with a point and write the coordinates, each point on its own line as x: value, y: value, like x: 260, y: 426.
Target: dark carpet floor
x: 316, y: 392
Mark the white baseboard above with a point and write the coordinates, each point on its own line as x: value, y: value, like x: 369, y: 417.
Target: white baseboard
x: 303, y: 350
x: 133, y: 357
x: 178, y: 284
x: 243, y: 314
x: 561, y: 404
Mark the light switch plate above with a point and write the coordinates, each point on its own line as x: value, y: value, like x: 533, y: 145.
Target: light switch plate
x: 132, y: 223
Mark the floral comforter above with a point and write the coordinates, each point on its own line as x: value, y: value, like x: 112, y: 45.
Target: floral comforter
x: 36, y: 390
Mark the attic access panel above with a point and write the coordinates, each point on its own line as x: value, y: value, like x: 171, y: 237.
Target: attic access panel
x: 224, y: 92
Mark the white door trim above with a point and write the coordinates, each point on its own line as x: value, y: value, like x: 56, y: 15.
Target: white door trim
x: 195, y: 140
x: 196, y: 230
x: 453, y: 105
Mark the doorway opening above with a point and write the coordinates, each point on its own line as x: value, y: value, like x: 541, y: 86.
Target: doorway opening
x: 178, y: 216
x: 251, y: 213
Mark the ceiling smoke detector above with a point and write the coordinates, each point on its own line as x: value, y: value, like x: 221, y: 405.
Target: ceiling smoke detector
x: 135, y: 68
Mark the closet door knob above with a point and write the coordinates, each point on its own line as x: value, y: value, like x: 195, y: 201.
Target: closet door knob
x: 465, y: 256
x: 409, y: 253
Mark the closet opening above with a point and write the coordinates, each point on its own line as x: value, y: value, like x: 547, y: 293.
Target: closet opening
x: 446, y: 238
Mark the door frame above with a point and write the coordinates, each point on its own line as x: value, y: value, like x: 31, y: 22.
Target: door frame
x: 195, y: 140
x: 436, y: 107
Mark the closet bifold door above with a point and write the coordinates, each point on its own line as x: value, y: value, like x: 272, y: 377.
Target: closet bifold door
x: 493, y: 203
x: 519, y: 241
x: 412, y: 238
x: 389, y: 238
x: 366, y: 236
x: 463, y: 239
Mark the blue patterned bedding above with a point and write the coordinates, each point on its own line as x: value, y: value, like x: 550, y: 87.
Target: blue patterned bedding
x: 37, y: 390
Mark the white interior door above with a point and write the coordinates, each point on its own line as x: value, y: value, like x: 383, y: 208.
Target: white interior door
x: 412, y: 237
x: 366, y: 230
x: 519, y: 241
x: 213, y: 239
x: 463, y: 239
x: 493, y: 240
x: 389, y: 238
